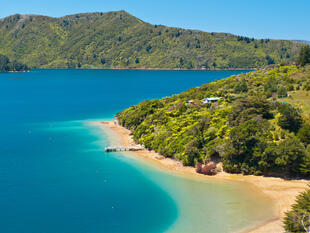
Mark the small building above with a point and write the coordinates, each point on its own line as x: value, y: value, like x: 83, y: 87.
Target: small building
x: 210, y: 100
x: 190, y: 101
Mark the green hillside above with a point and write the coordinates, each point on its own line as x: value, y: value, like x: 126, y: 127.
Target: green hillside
x: 119, y: 40
x: 260, y: 124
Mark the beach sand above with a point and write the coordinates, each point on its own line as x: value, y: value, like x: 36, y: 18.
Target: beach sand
x: 282, y: 192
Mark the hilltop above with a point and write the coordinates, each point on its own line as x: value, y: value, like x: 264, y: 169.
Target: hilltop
x: 120, y: 40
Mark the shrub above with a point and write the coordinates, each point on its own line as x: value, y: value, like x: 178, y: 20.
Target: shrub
x: 299, y: 215
x: 241, y: 87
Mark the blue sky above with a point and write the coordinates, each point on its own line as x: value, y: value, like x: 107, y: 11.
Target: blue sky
x: 281, y: 19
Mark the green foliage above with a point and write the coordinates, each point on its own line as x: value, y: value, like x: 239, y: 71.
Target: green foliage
x: 119, y: 40
x: 282, y: 91
x: 249, y: 131
x: 241, y: 87
x: 303, y: 56
x: 290, y: 117
x: 6, y: 65
x: 304, y: 134
x: 248, y: 108
x: 287, y: 157
x: 245, y: 147
x: 271, y: 85
x: 270, y: 60
x: 298, y: 218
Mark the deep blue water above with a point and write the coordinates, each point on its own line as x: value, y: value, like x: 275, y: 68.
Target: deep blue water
x: 54, y: 177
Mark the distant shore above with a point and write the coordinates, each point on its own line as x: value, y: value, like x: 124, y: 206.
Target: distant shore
x: 282, y: 192
x: 23, y: 71
x: 159, y: 69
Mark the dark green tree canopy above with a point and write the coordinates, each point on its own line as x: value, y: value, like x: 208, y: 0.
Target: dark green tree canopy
x: 304, y: 56
x: 290, y: 118
x: 6, y: 65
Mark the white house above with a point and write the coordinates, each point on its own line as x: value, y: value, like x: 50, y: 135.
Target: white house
x: 210, y: 100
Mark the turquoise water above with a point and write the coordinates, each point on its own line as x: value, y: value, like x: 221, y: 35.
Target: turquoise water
x: 55, y: 177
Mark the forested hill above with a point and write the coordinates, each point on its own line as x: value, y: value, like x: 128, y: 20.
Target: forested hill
x: 120, y: 40
x: 259, y: 125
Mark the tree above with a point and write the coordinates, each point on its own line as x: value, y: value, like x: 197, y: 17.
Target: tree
x: 181, y: 61
x: 271, y: 85
x: 298, y: 219
x: 304, y: 56
x: 249, y: 108
x: 245, y: 146
x: 289, y: 155
x: 191, y: 153
x: 4, y: 61
x: 148, y: 48
x: 305, y: 166
x: 282, y: 92
x: 241, y: 87
x: 290, y: 118
x: 269, y: 60
x: 304, y: 134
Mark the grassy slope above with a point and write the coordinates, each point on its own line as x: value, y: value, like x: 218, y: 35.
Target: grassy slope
x: 119, y: 40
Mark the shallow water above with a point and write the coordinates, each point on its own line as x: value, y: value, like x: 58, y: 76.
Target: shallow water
x: 55, y: 177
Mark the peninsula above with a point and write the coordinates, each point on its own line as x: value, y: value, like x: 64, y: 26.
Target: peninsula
x: 250, y: 124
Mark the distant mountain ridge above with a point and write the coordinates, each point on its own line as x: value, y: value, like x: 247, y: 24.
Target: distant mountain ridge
x: 120, y: 40
x: 304, y: 41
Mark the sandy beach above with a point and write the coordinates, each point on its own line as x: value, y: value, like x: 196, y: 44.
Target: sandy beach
x: 282, y: 192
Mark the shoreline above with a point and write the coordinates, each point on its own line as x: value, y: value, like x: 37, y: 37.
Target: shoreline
x: 152, y: 69
x: 282, y: 192
x: 11, y: 71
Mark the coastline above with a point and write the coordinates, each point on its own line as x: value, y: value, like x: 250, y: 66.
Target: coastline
x: 24, y: 71
x: 151, y: 69
x: 281, y: 192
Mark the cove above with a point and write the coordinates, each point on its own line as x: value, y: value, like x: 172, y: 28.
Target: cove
x: 55, y: 176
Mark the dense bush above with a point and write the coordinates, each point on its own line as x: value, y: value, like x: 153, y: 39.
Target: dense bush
x: 6, y: 65
x: 304, y: 134
x: 241, y: 87
x: 290, y: 118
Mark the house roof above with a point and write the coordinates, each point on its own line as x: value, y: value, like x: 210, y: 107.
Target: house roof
x: 212, y: 98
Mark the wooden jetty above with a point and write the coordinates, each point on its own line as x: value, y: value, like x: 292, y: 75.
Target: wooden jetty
x: 122, y: 148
